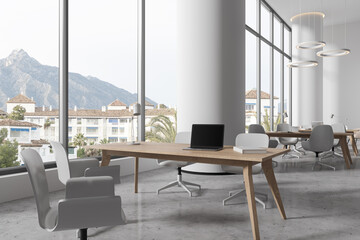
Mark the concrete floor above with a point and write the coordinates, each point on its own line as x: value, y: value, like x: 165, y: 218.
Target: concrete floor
x: 319, y: 205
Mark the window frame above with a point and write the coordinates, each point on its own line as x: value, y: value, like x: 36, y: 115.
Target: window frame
x: 260, y: 38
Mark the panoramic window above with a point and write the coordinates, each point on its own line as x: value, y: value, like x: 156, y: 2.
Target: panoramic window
x: 160, y: 106
x: 251, y: 78
x: 277, y: 89
x: 265, y: 22
x: 102, y: 72
x: 251, y: 14
x: 29, y: 78
x: 265, y: 86
x: 268, y: 67
x: 277, y: 32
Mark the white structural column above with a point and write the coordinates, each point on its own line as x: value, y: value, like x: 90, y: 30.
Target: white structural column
x: 211, y: 67
x: 307, y: 83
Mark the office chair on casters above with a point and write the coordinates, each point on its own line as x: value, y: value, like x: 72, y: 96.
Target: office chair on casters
x: 85, y: 167
x: 257, y: 128
x: 284, y: 127
x: 181, y: 137
x: 321, y: 140
x: 248, y: 140
x: 340, y: 128
x: 89, y: 201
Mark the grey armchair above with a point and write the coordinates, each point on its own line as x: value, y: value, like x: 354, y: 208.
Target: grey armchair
x: 257, y: 128
x: 181, y: 137
x: 89, y: 201
x: 288, y: 142
x: 321, y: 140
x: 86, y: 167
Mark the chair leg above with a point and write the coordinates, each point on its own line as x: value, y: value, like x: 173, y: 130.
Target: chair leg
x: 180, y: 183
x: 186, y: 188
x: 82, y: 234
x: 191, y: 184
x: 318, y: 161
x: 299, y: 151
x: 327, y: 165
x: 174, y: 183
x: 234, y: 194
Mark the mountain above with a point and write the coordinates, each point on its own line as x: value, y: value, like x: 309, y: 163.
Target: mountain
x: 20, y: 73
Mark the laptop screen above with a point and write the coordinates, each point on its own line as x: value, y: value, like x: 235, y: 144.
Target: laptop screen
x: 207, y: 136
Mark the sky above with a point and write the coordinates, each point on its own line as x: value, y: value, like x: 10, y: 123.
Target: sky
x: 102, y: 40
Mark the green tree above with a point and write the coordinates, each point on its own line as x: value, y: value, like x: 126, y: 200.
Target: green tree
x: 80, y: 141
x: 3, y: 134
x: 162, y: 129
x: 8, y: 153
x: 17, y: 113
x: 266, y: 121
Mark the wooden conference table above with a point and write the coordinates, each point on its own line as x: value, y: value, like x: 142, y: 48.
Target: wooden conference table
x: 306, y: 134
x: 226, y: 156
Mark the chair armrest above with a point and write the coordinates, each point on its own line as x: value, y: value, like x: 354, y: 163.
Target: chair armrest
x: 78, y: 166
x: 111, y: 171
x: 83, y: 187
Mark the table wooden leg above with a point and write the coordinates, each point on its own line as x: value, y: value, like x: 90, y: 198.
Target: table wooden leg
x: 105, y: 158
x: 353, y: 144
x: 250, y: 194
x: 346, y: 152
x: 270, y: 176
x: 136, y: 174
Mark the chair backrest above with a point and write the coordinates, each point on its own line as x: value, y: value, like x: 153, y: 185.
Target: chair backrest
x: 283, y: 127
x: 321, y: 138
x: 36, y: 171
x: 183, y: 137
x: 338, y: 127
x: 62, y: 162
x: 252, y: 140
x: 256, y: 128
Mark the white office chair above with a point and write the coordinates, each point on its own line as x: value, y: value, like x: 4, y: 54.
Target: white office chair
x: 248, y: 140
x: 284, y: 127
x: 89, y: 201
x: 181, y: 137
x: 86, y: 167
x: 257, y: 128
x: 321, y: 140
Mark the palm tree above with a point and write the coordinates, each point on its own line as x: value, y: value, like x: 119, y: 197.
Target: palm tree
x: 162, y: 129
x: 79, y: 140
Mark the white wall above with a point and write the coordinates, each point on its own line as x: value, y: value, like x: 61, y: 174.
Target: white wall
x: 307, y: 83
x: 342, y: 76
x: 17, y: 186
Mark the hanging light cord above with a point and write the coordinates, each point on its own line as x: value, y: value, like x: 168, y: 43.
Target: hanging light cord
x: 345, y: 25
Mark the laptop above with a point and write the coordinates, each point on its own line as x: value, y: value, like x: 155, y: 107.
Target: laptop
x: 316, y: 123
x: 207, y: 137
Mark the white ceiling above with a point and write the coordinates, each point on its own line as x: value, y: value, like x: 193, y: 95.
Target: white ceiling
x: 334, y: 9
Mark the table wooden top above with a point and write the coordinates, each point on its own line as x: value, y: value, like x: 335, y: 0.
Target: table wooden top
x: 303, y: 134
x: 175, y: 151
